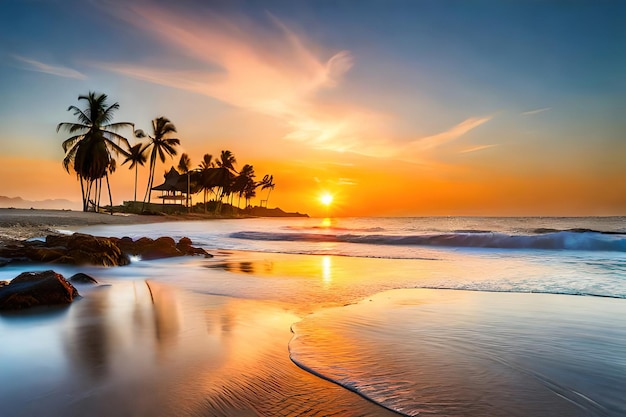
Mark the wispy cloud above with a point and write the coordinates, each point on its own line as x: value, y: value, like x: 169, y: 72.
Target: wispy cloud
x: 455, y: 132
x: 536, y: 111
x: 261, y: 66
x: 478, y: 148
x: 346, y: 181
x: 33, y: 65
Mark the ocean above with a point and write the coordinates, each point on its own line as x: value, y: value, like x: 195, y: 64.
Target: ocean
x: 444, y: 316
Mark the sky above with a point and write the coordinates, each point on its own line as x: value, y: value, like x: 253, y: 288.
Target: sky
x: 393, y: 107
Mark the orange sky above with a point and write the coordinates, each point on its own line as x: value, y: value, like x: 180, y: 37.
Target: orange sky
x: 424, y: 119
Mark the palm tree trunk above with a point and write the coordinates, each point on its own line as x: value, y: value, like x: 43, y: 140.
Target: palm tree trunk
x: 98, y: 194
x: 136, y: 172
x: 88, y: 193
x: 268, y: 197
x: 82, y: 192
x: 149, y: 188
x: 109, y: 188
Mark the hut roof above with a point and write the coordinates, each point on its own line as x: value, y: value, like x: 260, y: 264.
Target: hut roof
x: 177, y: 182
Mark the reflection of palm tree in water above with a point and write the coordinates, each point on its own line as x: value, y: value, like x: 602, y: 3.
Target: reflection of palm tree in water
x: 89, y: 342
x: 164, y: 313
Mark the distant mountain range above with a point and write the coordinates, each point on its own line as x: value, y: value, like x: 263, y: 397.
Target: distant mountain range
x: 19, y: 202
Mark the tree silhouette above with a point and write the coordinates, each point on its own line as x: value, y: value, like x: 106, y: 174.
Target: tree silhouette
x: 244, y: 181
x: 206, y: 173
x: 161, y: 145
x: 89, y: 152
x: 184, y: 164
x: 224, y: 175
x: 136, y: 156
x: 267, y: 183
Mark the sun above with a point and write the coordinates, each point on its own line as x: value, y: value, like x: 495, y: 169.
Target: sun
x: 326, y: 199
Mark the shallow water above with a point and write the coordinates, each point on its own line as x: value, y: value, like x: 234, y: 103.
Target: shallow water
x: 459, y: 353
x: 145, y: 349
x: 212, y: 335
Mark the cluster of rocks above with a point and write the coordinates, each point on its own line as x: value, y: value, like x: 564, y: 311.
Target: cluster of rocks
x: 83, y: 249
x: 31, y: 289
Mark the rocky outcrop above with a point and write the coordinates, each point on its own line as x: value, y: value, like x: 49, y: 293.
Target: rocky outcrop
x: 81, y: 278
x: 82, y: 249
x: 31, y: 289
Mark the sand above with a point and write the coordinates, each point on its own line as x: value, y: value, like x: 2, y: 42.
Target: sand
x: 132, y: 347
x: 25, y: 224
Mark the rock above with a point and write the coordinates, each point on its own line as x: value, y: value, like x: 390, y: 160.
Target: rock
x: 184, y: 246
x: 3, y: 283
x: 83, y: 278
x: 163, y: 247
x: 82, y: 249
x: 30, y: 289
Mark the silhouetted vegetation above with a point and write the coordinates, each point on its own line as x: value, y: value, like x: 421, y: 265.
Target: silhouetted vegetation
x: 91, y: 155
x: 90, y: 152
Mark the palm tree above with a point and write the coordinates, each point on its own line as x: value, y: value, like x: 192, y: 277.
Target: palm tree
x: 225, y: 174
x: 267, y: 182
x: 206, y: 172
x: 161, y: 144
x: 89, y: 152
x: 136, y: 156
x: 244, y: 181
x: 184, y: 164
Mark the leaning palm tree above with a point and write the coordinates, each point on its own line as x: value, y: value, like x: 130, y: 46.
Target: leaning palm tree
x: 136, y: 156
x: 267, y: 183
x: 89, y: 152
x: 184, y: 164
x: 161, y: 145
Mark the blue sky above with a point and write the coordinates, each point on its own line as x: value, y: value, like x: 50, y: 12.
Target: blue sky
x: 449, y: 95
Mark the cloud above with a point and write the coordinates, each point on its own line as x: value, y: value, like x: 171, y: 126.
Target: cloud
x: 38, y: 66
x: 346, y: 181
x: 455, y: 132
x: 478, y: 148
x: 262, y: 66
x: 537, y: 111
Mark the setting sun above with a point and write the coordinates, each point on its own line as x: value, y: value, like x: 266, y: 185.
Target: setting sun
x: 326, y: 199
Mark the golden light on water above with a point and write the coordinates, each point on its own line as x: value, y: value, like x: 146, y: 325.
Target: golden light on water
x: 327, y: 269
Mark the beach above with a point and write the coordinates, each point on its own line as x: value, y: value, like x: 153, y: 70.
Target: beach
x: 321, y: 325
x: 141, y: 348
x: 17, y: 224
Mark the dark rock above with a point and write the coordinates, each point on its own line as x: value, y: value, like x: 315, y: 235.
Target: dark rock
x: 163, y: 247
x: 185, y: 241
x: 43, y: 254
x: 83, y: 279
x: 30, y: 289
x: 81, y: 249
x: 184, y: 246
x: 86, y: 249
x: 3, y: 283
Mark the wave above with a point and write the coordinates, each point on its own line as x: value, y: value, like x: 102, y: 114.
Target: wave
x: 582, y: 240
x: 336, y: 228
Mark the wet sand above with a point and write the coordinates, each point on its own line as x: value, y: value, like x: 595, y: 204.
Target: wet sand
x: 19, y: 224
x: 135, y: 347
x: 147, y: 349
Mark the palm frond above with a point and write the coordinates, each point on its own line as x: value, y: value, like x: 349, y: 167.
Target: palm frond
x: 118, y: 125
x: 82, y: 117
x: 70, y: 142
x: 117, y: 137
x: 116, y: 148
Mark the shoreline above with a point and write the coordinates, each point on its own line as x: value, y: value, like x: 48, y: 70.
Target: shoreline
x: 22, y: 224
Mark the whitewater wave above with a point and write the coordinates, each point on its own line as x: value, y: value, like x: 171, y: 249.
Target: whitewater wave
x: 582, y: 240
